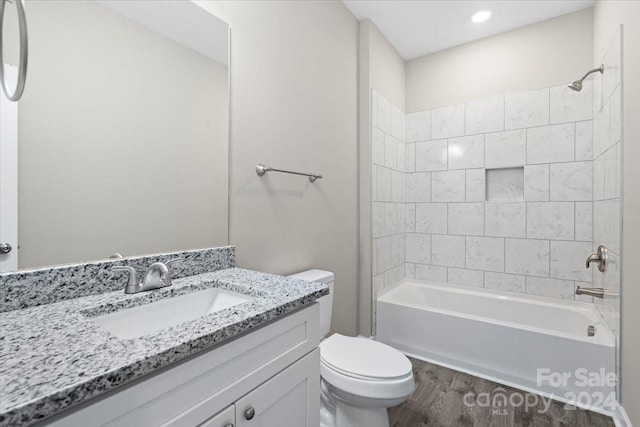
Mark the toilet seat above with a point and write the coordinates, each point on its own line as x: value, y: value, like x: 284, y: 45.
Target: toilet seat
x: 365, y: 368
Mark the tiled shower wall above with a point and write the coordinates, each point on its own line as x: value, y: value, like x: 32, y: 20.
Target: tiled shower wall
x: 388, y: 187
x: 607, y: 174
x: 534, y: 233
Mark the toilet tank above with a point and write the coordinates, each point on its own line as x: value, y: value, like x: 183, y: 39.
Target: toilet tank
x: 326, y: 302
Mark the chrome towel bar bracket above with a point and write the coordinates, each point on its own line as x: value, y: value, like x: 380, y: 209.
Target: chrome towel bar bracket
x: 262, y: 169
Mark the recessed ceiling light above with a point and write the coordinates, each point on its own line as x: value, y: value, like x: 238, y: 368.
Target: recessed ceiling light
x: 481, y: 16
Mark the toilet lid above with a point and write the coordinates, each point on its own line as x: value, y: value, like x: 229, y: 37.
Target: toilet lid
x: 363, y: 357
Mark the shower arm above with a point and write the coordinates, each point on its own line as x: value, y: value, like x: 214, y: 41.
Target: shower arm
x: 600, y: 69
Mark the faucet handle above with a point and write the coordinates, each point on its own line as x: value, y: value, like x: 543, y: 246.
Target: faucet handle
x: 133, y: 275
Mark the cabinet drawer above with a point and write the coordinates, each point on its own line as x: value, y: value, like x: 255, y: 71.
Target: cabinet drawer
x: 225, y: 418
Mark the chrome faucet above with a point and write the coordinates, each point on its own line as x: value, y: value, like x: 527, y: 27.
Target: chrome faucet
x: 157, y: 276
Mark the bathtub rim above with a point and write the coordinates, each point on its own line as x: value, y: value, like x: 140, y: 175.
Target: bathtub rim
x: 605, y: 338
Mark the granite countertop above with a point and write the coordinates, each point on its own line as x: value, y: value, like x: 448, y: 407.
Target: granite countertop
x: 53, y: 356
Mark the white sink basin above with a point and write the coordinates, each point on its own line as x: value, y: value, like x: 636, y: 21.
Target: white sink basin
x: 153, y: 317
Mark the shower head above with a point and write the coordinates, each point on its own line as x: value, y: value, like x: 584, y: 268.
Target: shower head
x: 577, y: 85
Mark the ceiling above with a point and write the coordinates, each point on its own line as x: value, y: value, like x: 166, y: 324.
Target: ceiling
x: 416, y: 28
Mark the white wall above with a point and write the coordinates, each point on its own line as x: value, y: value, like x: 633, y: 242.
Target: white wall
x: 294, y: 105
x: 387, y: 67
x: 607, y: 18
x: 540, y: 55
x: 116, y: 123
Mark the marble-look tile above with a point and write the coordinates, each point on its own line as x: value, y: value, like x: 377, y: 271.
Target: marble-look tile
x: 431, y: 273
x: 550, y: 144
x: 410, y: 158
x: 378, y: 283
x: 550, y: 220
x: 553, y: 288
x: 401, y: 155
x: 527, y: 256
x: 384, y: 114
x: 447, y: 251
x: 485, y: 253
x: 615, y: 112
x: 393, y: 275
x: 377, y: 146
x: 448, y: 186
x: 418, y: 187
x: 461, y: 276
x: 410, y: 270
x: 599, y: 178
x: 398, y: 246
x: 571, y: 181
x: 418, y: 126
x: 505, y: 219
x: 505, y: 184
x: 381, y: 254
x: 584, y: 141
x: 394, y: 217
x: 466, y: 219
x: 615, y: 224
x: 484, y: 116
x: 374, y: 183
x: 611, y: 171
x: 504, y: 282
x: 505, y: 149
x: 466, y: 152
x: 612, y: 63
x: 602, y: 232
x: 567, y: 105
x: 447, y: 122
x: 418, y: 248
x: 568, y: 258
x: 384, y: 184
x: 475, y: 185
x: 527, y: 109
x: 410, y: 215
x: 584, y: 221
x: 431, y: 218
x: 397, y: 186
x: 377, y: 219
x: 397, y: 123
x: 597, y: 92
x: 431, y: 155
x: 391, y: 152
x: 602, y: 130
x: 536, y: 183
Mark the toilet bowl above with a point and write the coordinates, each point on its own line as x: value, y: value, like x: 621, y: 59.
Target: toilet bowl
x: 360, y: 378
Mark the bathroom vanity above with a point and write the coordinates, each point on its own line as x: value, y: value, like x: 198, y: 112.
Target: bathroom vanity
x: 250, y: 361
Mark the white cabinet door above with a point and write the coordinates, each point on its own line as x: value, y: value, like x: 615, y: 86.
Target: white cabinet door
x: 9, y: 176
x: 224, y: 418
x: 291, y: 398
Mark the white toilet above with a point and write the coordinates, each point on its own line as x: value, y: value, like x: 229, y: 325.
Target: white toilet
x: 360, y: 378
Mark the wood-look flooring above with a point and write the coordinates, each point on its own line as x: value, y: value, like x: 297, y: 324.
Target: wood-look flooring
x: 439, y: 402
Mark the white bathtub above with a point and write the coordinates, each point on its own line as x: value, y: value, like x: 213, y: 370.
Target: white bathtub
x: 502, y: 336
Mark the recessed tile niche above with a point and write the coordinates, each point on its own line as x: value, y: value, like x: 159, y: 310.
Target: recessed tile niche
x: 505, y: 185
